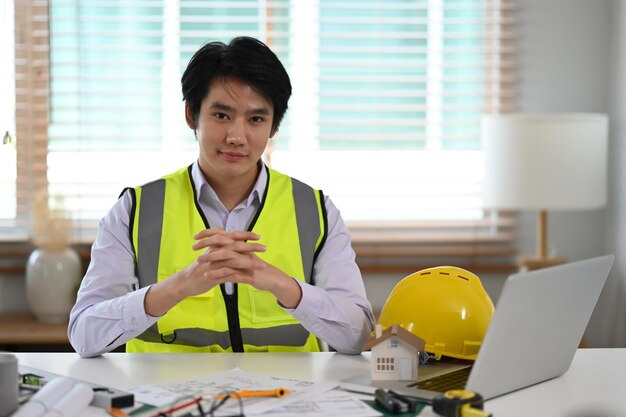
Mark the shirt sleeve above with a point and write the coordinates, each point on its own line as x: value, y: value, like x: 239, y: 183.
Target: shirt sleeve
x: 336, y: 308
x: 109, y: 310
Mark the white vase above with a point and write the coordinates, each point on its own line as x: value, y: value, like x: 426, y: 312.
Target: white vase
x: 52, y: 277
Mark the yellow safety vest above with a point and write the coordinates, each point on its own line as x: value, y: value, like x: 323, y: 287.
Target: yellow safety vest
x: 164, y: 218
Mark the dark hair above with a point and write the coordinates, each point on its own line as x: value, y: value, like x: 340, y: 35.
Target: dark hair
x: 245, y: 58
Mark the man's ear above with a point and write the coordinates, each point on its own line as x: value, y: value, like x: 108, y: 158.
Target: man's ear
x: 188, y: 117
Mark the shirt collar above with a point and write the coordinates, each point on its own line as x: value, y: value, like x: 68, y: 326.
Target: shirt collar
x: 201, y: 184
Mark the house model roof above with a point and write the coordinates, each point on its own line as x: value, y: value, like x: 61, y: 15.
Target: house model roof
x: 399, y: 332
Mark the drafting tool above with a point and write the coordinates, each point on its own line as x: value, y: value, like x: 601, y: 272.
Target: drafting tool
x: 453, y: 403
x: 117, y: 412
x: 459, y: 403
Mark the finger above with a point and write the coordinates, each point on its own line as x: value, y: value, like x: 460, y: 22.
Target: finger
x: 226, y: 243
x: 209, y: 232
x: 223, y: 239
x: 221, y: 258
x: 222, y: 275
x: 245, y: 247
x: 237, y: 235
x: 213, y: 241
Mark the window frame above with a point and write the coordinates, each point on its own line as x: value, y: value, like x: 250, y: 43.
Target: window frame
x: 488, y: 242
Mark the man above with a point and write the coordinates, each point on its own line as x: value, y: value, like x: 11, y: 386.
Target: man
x: 226, y: 254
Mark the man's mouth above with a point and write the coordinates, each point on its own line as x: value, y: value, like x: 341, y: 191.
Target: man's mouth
x: 232, y: 156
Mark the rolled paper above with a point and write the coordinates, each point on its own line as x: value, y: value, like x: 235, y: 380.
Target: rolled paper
x: 74, y: 403
x: 45, y: 398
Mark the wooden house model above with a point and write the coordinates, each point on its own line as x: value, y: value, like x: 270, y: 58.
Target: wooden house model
x: 395, y: 354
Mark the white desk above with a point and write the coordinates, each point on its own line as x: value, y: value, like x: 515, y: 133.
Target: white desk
x: 594, y: 386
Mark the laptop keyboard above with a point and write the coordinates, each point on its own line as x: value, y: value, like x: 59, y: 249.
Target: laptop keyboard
x: 453, y: 380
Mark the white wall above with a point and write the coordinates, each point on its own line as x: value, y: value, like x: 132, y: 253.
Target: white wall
x: 570, y: 55
x: 610, y: 315
x: 564, y: 61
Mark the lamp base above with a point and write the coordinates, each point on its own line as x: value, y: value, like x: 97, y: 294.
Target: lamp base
x: 532, y: 262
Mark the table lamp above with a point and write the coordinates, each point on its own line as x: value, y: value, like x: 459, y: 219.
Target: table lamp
x: 552, y: 161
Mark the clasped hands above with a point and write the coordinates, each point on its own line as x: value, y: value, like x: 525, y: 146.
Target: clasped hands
x: 232, y: 257
x: 227, y: 257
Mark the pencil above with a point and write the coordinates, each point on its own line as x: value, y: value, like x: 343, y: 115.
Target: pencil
x: 278, y: 392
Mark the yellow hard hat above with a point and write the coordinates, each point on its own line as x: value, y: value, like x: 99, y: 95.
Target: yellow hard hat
x: 446, y: 306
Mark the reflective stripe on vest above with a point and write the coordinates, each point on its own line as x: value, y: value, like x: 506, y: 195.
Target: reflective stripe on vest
x: 149, y: 238
x: 148, y: 235
x: 289, y: 335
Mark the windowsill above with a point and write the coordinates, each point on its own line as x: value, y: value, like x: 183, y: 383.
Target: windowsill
x: 394, y: 249
x: 25, y: 329
x: 14, y: 256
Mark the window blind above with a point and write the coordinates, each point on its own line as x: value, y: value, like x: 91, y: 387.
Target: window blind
x: 7, y: 111
x: 105, y: 104
x: 116, y: 110
x: 388, y: 123
x: 31, y: 109
x: 384, y: 117
x: 396, y: 90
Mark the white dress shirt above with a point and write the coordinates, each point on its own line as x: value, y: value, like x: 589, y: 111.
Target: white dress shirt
x: 109, y: 309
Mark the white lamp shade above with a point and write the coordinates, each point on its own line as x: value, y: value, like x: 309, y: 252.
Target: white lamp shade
x: 545, y: 161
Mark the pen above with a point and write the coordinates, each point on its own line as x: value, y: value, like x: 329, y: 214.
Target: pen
x: 278, y: 392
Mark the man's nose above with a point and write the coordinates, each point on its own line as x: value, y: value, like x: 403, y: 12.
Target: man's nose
x: 237, y: 132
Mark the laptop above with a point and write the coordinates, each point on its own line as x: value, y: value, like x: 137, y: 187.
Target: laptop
x: 539, y: 321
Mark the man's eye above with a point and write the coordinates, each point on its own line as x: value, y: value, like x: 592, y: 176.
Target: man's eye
x: 258, y: 119
x: 221, y: 116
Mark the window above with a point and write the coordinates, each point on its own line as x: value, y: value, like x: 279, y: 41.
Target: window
x: 384, y: 116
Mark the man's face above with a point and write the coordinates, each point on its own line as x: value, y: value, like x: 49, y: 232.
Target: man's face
x: 233, y: 127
